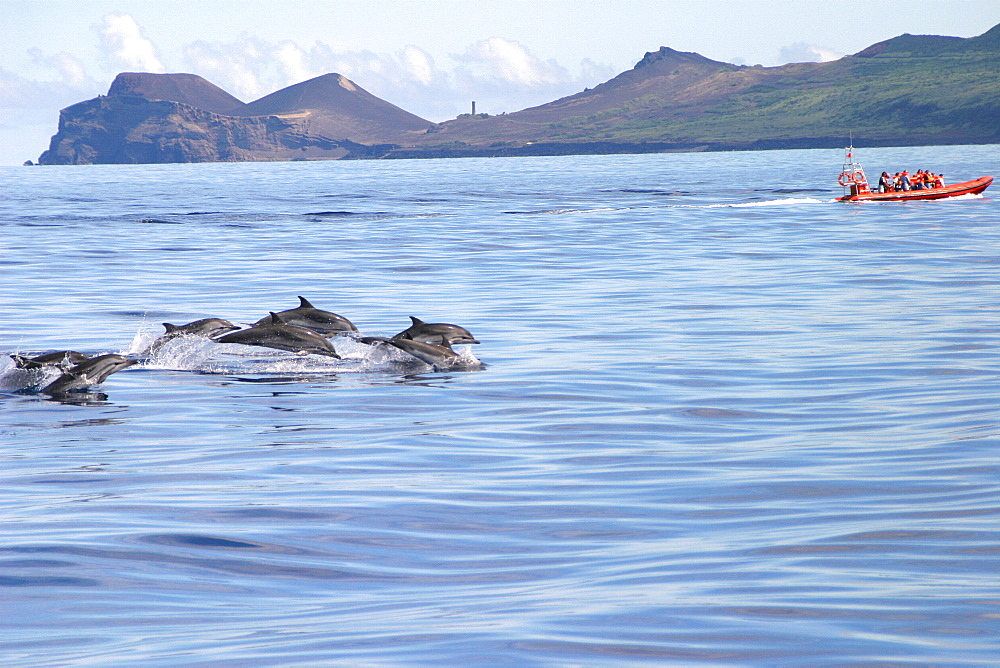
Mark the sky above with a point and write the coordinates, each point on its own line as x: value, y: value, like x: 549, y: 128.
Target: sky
x: 430, y: 57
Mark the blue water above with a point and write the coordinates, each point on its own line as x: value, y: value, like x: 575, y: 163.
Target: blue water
x: 721, y: 419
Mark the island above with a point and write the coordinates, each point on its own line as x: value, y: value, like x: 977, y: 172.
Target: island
x: 906, y: 91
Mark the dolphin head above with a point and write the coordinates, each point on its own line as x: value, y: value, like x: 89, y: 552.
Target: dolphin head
x: 437, y: 333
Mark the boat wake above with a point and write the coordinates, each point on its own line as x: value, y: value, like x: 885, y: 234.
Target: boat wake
x: 771, y: 202
x: 786, y: 201
x: 565, y: 211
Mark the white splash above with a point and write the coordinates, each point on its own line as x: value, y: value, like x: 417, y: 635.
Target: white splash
x: 13, y: 379
x: 194, y: 353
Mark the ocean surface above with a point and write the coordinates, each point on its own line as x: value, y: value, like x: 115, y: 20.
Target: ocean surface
x: 719, y: 418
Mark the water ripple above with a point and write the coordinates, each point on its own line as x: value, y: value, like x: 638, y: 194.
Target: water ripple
x: 716, y: 421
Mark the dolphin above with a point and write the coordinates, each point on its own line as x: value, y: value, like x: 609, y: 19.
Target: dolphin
x: 438, y: 333
x: 373, y: 340
x: 309, y: 317
x: 282, y: 336
x: 85, y: 374
x: 64, y: 359
x: 441, y: 357
x: 206, y: 327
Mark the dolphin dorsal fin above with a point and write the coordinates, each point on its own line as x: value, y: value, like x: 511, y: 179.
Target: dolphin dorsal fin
x: 170, y: 328
x: 304, y: 303
x: 416, y: 321
x: 276, y: 319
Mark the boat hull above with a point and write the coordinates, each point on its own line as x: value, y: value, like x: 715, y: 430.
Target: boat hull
x: 973, y: 187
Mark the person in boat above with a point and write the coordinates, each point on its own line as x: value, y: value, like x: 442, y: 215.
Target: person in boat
x: 904, y: 181
x: 918, y: 180
x: 937, y: 181
x: 885, y: 183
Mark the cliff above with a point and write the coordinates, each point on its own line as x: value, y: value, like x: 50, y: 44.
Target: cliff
x: 130, y: 129
x: 155, y: 118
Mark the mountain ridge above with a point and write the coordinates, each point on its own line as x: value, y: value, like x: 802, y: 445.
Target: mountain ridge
x: 337, y: 107
x: 907, y: 90
x: 949, y: 93
x: 189, y: 89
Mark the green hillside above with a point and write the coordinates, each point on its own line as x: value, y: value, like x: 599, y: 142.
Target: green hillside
x: 905, y: 91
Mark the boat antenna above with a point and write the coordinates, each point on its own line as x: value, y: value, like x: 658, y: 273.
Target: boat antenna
x: 852, y: 177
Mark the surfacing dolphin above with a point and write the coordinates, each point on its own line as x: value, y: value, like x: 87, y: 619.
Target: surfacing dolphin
x: 282, y: 336
x: 208, y: 328
x: 64, y: 359
x: 441, y: 357
x: 438, y: 333
x: 309, y: 317
x: 85, y: 374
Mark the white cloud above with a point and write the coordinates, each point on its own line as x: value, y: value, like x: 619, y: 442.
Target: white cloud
x: 73, y: 84
x: 510, y: 62
x: 500, y: 73
x: 418, y: 63
x: 124, y: 45
x: 503, y: 75
x: 293, y: 62
x: 251, y: 67
x: 596, y: 72
x: 69, y: 67
x: 800, y: 52
x: 246, y: 68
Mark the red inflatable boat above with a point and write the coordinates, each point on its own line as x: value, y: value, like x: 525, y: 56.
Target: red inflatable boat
x: 856, y: 188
